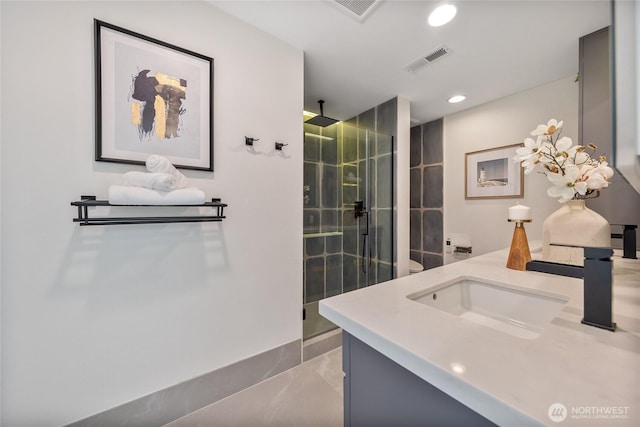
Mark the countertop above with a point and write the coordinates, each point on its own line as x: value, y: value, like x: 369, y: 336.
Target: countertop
x: 511, y: 381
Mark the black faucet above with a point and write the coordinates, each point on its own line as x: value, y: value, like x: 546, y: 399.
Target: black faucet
x: 598, y: 289
x: 597, y: 275
x: 628, y: 237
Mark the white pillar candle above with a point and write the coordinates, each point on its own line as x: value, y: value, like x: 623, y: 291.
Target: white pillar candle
x: 519, y: 213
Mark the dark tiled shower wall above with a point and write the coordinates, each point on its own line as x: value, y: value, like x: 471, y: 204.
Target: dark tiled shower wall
x: 322, y: 220
x: 333, y: 172
x: 321, y: 190
x: 426, y: 203
x: 382, y: 122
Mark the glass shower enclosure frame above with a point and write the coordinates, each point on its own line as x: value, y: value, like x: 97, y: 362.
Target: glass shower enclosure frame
x: 348, y: 215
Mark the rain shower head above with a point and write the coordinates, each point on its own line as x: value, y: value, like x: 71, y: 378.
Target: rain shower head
x: 321, y: 120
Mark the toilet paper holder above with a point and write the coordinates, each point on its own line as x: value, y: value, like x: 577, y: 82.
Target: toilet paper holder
x: 460, y: 243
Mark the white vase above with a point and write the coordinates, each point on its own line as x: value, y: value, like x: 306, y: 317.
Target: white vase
x: 577, y: 225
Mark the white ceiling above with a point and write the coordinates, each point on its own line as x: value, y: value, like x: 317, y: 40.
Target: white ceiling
x: 499, y: 48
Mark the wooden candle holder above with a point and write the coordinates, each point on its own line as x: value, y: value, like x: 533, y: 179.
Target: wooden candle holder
x: 519, y: 255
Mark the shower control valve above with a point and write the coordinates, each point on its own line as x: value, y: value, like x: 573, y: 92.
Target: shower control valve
x: 359, y: 209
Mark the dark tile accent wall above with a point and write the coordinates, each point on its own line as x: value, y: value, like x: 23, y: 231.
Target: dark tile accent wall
x: 432, y: 187
x: 350, y: 270
x: 386, y: 120
x: 349, y: 143
x: 315, y: 246
x: 321, y: 214
x: 367, y: 120
x: 311, y: 189
x: 333, y: 180
x: 314, y: 278
x: 426, y: 194
x: 382, y: 120
x: 384, y: 197
x: 334, y: 275
x: 382, y: 250
x: 334, y: 244
x: 432, y: 142
x: 415, y: 181
x: 329, y: 220
x: 432, y: 230
x: 415, y: 149
x: 415, y: 232
x: 350, y: 242
x: 311, y: 150
x: 329, y: 186
x: 311, y: 219
x: 431, y: 260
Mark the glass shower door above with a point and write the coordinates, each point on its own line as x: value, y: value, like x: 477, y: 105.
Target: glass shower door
x: 348, y: 215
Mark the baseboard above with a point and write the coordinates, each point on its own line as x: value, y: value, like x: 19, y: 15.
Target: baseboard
x: 164, y: 406
x: 316, y: 346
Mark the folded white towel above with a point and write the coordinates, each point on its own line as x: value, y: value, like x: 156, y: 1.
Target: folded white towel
x: 152, y: 180
x: 129, y: 195
x: 156, y: 163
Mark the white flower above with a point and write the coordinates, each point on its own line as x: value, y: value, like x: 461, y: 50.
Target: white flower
x: 572, y: 171
x: 547, y: 151
x: 564, y: 185
x: 563, y: 144
x: 559, y: 150
x: 552, y: 127
x: 579, y: 157
x: 605, y: 170
x: 598, y: 177
x: 529, y: 154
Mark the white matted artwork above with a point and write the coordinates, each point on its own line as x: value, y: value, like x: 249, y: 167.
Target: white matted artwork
x: 492, y: 174
x: 152, y: 98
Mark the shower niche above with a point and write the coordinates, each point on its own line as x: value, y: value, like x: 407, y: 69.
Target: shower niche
x: 345, y: 163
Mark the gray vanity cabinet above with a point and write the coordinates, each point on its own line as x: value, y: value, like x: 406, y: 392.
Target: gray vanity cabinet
x: 380, y: 392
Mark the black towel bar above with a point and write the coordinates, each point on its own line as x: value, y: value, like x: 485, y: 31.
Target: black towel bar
x: 86, y: 202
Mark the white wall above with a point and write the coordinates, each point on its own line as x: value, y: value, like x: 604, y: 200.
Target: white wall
x: 402, y: 181
x: 502, y: 122
x: 93, y: 317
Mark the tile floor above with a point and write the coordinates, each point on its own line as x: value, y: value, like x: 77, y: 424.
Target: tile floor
x: 309, y: 395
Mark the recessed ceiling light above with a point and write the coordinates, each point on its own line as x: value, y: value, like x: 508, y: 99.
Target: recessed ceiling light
x: 441, y: 15
x: 457, y: 98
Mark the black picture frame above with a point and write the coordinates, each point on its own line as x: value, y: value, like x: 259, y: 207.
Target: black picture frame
x: 152, y: 97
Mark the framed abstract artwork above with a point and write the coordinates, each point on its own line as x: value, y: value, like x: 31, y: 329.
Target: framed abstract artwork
x: 492, y: 174
x: 151, y: 98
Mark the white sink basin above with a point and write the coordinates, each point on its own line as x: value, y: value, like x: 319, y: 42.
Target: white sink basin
x: 521, y: 313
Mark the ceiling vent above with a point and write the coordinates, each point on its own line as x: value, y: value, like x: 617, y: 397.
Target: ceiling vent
x: 429, y: 58
x: 357, y: 9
